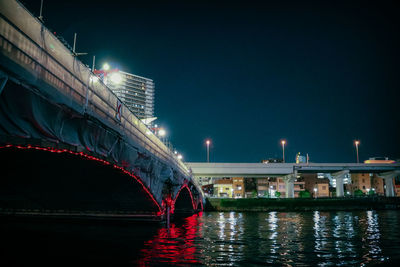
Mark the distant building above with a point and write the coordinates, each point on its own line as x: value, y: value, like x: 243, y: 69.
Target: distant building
x: 301, y: 159
x: 276, y: 184
x: 397, y: 188
x: 136, y: 92
x: 299, y: 185
x: 250, y: 186
x: 360, y: 181
x: 204, y: 180
x: 378, y: 185
x: 223, y: 187
x: 312, y: 182
x: 263, y: 187
x: 238, y: 187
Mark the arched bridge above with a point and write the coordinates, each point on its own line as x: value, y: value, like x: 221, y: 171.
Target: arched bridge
x: 67, y: 144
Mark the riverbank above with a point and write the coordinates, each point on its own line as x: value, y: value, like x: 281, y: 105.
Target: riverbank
x: 302, y: 204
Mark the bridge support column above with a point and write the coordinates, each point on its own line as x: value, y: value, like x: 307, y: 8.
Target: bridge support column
x: 388, y: 178
x: 339, y: 176
x: 289, y: 184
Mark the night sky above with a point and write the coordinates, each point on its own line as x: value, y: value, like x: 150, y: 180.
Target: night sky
x: 246, y: 75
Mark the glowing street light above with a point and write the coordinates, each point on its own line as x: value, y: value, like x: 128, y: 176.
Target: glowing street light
x: 162, y: 132
x: 283, y: 142
x: 357, y: 143
x: 315, y: 192
x: 208, y: 142
x: 106, y: 66
x: 180, y: 157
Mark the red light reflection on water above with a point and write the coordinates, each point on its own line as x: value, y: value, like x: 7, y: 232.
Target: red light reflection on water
x: 174, y: 246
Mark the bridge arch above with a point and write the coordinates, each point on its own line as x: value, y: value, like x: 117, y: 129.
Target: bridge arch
x: 184, y: 202
x: 45, y: 179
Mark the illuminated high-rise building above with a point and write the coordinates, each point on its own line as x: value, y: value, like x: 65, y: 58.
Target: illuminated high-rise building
x: 136, y: 92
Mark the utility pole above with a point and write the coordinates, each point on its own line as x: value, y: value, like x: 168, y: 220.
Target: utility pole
x: 73, y: 48
x: 40, y: 12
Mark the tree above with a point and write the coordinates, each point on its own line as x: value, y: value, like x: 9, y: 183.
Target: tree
x: 358, y: 193
x: 266, y: 194
x: 254, y: 193
x: 277, y: 193
x: 304, y: 194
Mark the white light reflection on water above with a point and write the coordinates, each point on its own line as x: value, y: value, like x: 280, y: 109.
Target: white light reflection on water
x: 273, y: 233
x: 372, y: 238
x: 221, y: 226
x: 321, y: 235
x: 344, y: 238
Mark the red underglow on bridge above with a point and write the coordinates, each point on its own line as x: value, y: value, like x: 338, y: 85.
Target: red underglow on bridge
x: 86, y: 156
x: 177, y: 195
x: 174, y: 245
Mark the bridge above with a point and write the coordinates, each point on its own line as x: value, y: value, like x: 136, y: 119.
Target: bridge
x: 289, y: 172
x: 68, y: 145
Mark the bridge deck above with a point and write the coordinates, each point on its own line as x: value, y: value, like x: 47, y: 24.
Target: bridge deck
x: 47, y: 94
x: 279, y: 169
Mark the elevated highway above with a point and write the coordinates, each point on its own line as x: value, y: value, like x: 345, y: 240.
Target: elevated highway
x: 289, y: 171
x: 68, y: 144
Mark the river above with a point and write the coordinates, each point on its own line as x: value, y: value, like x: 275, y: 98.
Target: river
x: 209, y: 239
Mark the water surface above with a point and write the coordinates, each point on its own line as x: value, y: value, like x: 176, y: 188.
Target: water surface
x: 210, y: 239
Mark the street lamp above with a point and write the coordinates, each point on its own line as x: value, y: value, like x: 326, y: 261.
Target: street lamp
x: 315, y: 192
x: 357, y: 143
x: 283, y: 142
x: 208, y: 149
x: 106, y: 67
x: 180, y: 157
x: 161, y: 132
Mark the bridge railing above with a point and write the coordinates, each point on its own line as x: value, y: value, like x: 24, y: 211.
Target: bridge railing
x: 44, y: 56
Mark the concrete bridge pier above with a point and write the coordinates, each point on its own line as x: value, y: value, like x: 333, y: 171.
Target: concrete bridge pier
x: 339, y: 176
x: 289, y: 184
x: 388, y: 178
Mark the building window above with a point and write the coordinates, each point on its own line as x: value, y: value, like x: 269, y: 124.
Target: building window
x: 363, y: 186
x: 324, y: 187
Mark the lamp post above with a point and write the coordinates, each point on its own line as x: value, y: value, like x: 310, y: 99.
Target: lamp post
x: 208, y: 150
x: 357, y: 143
x: 161, y: 133
x: 283, y: 142
x: 315, y: 192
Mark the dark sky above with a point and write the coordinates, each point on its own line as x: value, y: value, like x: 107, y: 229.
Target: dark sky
x: 319, y: 74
